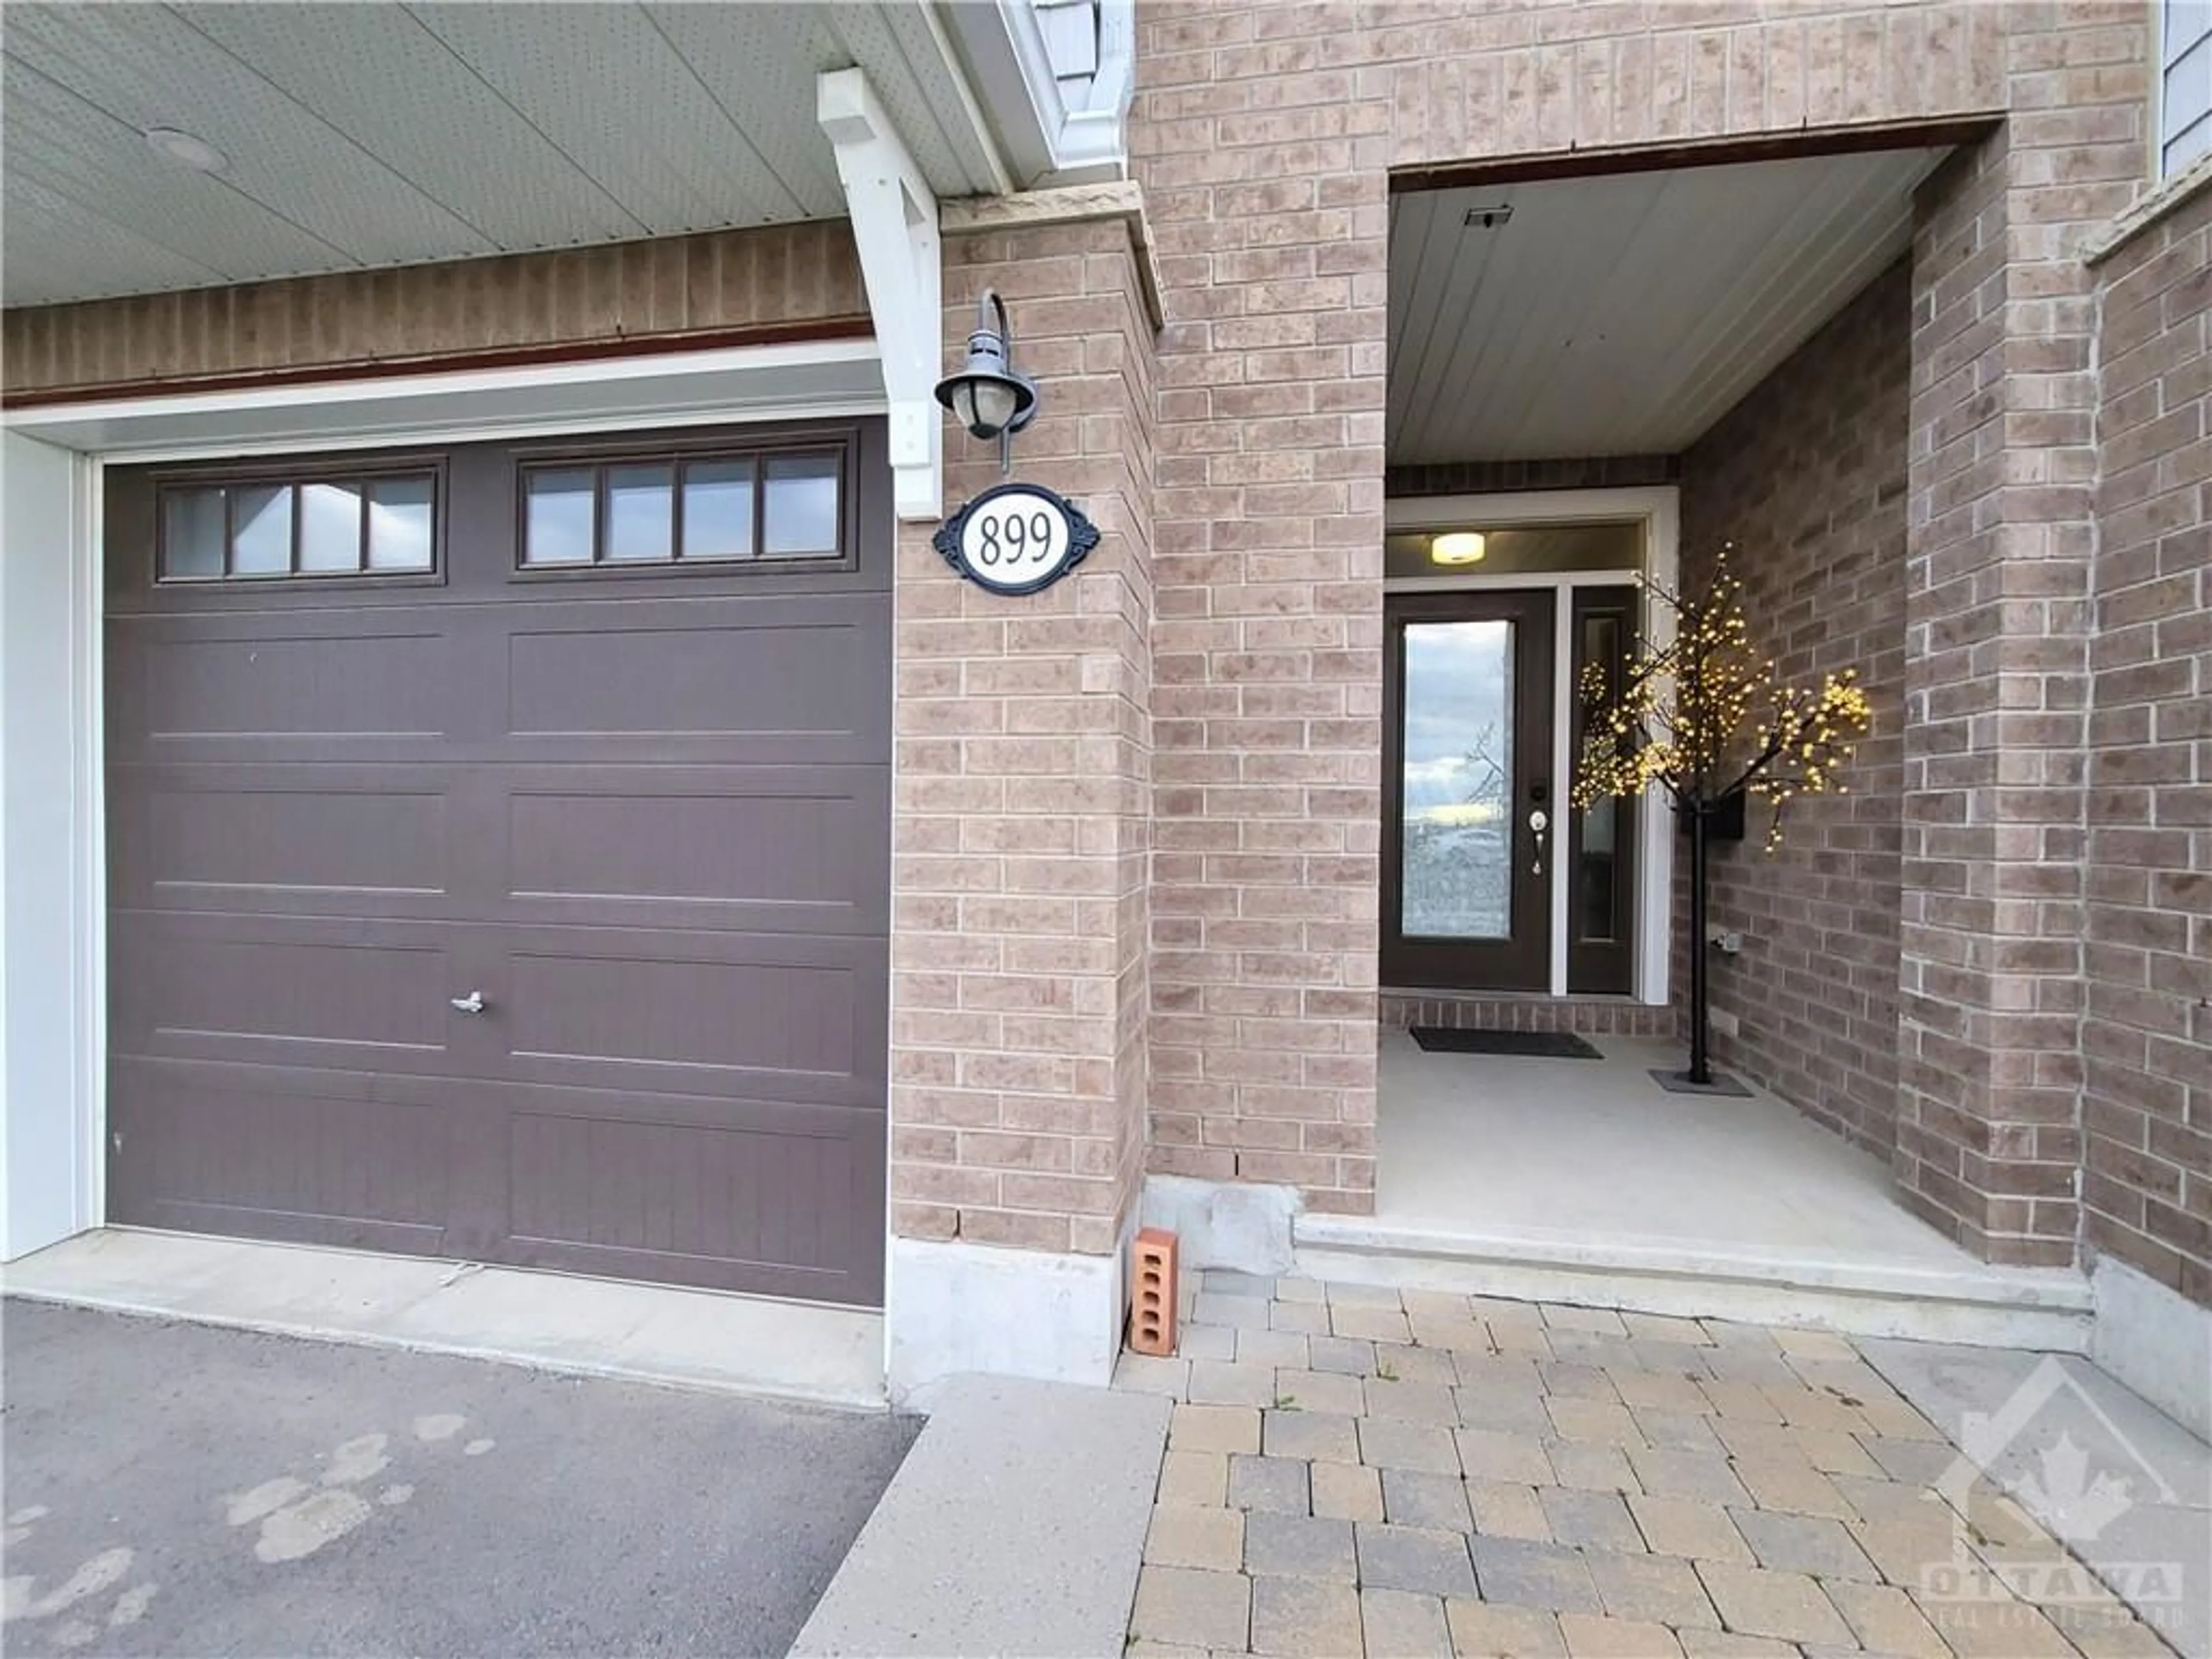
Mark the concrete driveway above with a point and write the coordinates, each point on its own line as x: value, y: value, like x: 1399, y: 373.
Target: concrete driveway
x: 184, y: 1490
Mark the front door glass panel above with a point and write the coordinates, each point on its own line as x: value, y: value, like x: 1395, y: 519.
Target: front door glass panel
x: 1456, y: 781
x: 1601, y: 837
x: 1597, y: 864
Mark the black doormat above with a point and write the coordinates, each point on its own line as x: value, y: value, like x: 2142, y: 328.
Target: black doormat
x: 1549, y: 1045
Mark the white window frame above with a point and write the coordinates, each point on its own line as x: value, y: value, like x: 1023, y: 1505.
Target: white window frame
x: 2168, y: 50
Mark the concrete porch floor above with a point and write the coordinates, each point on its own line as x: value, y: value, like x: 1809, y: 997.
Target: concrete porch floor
x: 1584, y: 1181
x: 1579, y: 1146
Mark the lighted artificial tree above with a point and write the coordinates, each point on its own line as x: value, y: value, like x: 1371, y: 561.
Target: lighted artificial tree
x: 1704, y: 714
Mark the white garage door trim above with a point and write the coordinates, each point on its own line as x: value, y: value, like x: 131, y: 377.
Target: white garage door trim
x: 54, y: 969
x: 682, y: 388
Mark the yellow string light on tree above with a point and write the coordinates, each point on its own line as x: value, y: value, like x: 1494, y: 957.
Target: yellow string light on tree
x: 1681, y: 716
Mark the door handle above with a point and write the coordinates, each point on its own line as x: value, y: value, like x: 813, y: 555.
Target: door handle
x: 472, y: 1004
x: 1538, y: 821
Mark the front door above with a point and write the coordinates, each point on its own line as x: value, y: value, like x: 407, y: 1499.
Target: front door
x: 1470, y: 817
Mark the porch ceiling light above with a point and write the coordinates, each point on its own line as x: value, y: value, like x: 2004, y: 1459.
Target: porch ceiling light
x: 1456, y: 547
x: 990, y: 396
x: 183, y: 149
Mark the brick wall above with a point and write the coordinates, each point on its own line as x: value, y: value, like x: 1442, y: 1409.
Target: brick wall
x: 1472, y: 79
x: 1805, y: 475
x: 1022, y: 791
x: 1263, y: 135
x: 1583, y: 1016
x: 1269, y: 657
x: 2146, y: 1035
x: 2001, y: 516
x: 779, y: 278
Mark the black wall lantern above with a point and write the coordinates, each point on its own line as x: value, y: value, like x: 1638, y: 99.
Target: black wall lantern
x: 990, y: 396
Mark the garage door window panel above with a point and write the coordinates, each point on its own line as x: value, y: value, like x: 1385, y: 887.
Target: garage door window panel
x: 261, y: 531
x: 718, y: 510
x: 686, y: 510
x: 195, y: 526
x: 641, y: 513
x: 330, y: 527
x: 561, y: 515
x: 265, y: 529
x: 799, y: 515
x: 402, y: 524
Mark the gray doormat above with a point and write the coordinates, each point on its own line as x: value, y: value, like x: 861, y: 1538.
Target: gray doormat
x: 1678, y: 1082
x: 1547, y: 1045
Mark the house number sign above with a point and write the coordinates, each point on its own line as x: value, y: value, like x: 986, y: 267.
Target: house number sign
x: 1015, y: 538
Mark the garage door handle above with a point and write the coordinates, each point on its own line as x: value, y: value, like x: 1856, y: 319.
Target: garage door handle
x: 472, y: 1004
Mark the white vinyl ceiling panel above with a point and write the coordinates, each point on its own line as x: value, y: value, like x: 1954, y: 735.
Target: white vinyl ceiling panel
x: 368, y: 132
x: 56, y: 248
x: 929, y: 107
x: 605, y: 86
x: 129, y: 63
x: 1624, y: 313
x: 764, y: 54
x: 437, y: 120
x: 62, y: 151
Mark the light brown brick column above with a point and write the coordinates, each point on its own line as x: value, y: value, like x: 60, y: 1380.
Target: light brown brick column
x: 1022, y: 780
x: 2002, y: 536
x: 2147, y: 1039
x: 1270, y: 667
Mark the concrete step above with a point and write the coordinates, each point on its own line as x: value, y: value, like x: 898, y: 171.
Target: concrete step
x: 2043, y: 1308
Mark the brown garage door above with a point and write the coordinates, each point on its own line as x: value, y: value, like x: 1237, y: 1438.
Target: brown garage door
x: 600, y: 737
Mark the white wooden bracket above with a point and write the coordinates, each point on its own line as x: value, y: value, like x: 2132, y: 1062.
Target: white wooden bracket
x: 894, y: 226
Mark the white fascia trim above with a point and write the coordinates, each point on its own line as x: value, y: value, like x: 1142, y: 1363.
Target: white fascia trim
x: 52, y: 1073
x: 1531, y: 506
x: 730, y: 384
x: 894, y: 213
x: 999, y: 178
x: 1045, y: 141
x: 1092, y: 140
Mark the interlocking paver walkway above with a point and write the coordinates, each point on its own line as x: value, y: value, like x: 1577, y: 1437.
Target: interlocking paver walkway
x: 1352, y: 1471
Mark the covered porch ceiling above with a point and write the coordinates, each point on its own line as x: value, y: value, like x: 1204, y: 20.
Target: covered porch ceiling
x: 371, y: 133
x: 1622, y: 313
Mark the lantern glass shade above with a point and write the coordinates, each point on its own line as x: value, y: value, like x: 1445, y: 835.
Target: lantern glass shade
x: 984, y: 406
x: 1457, y: 547
x: 990, y: 396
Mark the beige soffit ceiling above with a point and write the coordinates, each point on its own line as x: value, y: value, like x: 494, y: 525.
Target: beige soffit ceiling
x: 1623, y: 314
x: 370, y: 133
